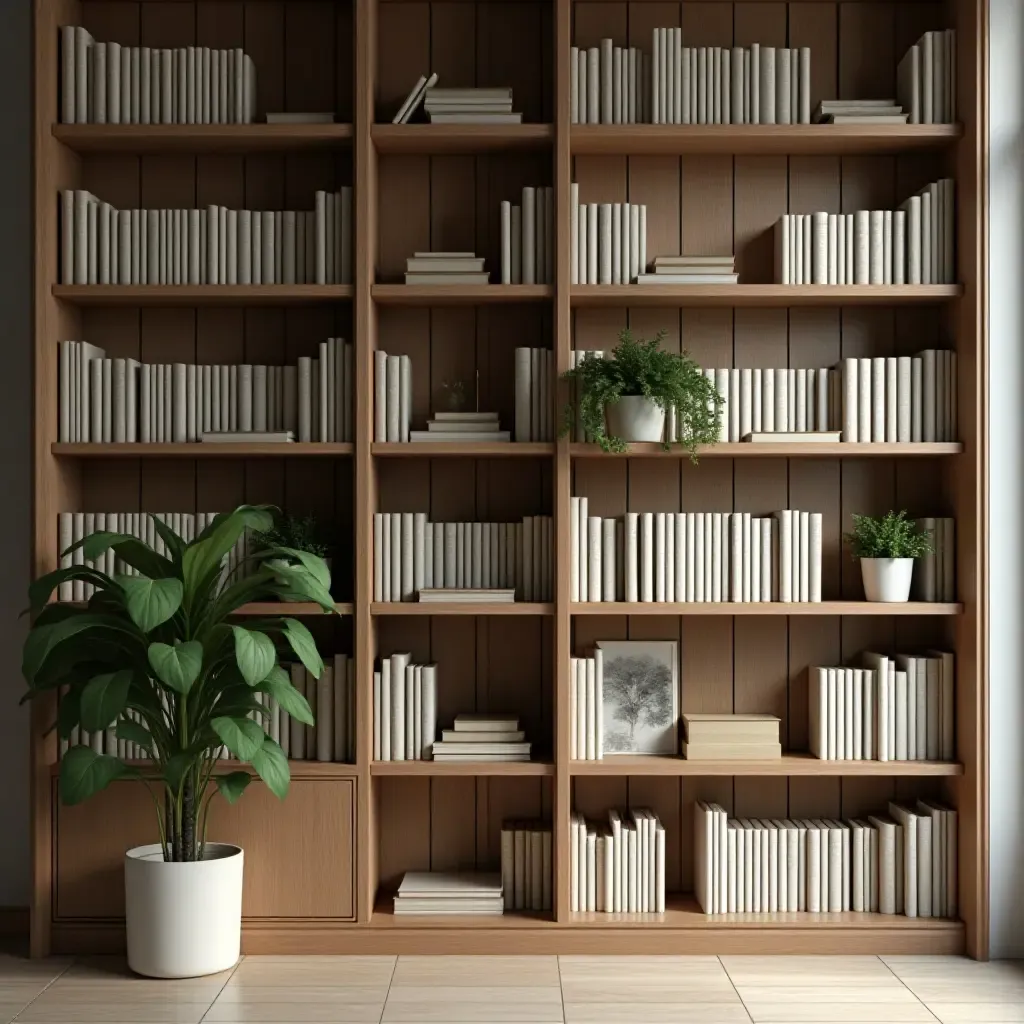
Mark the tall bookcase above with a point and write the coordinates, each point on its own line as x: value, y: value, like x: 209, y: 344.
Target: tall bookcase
x: 321, y: 865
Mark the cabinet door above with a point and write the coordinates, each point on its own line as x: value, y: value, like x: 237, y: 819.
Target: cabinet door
x: 299, y: 853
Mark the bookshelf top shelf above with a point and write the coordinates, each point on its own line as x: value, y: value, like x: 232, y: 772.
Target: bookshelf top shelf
x: 460, y: 138
x: 776, y: 449
x: 765, y: 608
x: 160, y: 295
x: 760, y: 139
x: 459, y: 294
x: 761, y: 295
x: 202, y: 138
x: 469, y: 768
x: 468, y: 449
x: 200, y: 450
x: 379, y: 608
x: 788, y: 764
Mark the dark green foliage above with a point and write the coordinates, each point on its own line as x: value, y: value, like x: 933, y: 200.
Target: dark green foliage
x: 893, y: 536
x: 292, y: 532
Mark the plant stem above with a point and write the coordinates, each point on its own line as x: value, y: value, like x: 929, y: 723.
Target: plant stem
x: 188, y: 821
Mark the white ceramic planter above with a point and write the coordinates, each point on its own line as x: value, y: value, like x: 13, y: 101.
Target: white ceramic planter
x: 183, y: 920
x: 887, y: 579
x: 635, y: 418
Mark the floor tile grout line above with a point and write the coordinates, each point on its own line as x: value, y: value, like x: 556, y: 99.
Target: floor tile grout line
x: 561, y: 991
x: 910, y: 990
x: 391, y: 981
x: 725, y: 969
x: 220, y: 991
x: 67, y: 967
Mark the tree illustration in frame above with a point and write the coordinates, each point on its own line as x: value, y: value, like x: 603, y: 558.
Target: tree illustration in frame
x: 640, y: 697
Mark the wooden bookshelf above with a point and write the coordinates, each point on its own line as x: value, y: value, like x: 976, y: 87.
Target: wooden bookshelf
x: 716, y: 189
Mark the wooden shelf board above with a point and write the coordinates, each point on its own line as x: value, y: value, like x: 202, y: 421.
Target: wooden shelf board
x: 776, y: 449
x: 459, y: 294
x: 469, y: 449
x: 201, y: 295
x: 760, y: 295
x: 796, y: 139
x: 295, y: 609
x: 460, y: 608
x: 298, y: 769
x: 384, y: 916
x: 475, y: 768
x: 788, y: 764
x: 202, y: 138
x: 460, y: 138
x: 765, y: 608
x: 198, y: 450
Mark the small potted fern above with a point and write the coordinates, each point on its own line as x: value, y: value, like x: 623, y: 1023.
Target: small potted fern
x: 886, y: 548
x: 625, y: 397
x: 290, y: 533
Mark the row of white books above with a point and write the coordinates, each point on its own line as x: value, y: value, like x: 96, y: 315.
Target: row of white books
x: 926, y: 79
x: 903, y: 862
x: 935, y: 573
x: 586, y: 707
x: 608, y: 241
x: 895, y: 708
x: 535, y: 387
x: 103, y: 245
x: 445, y: 268
x: 107, y: 83
x: 676, y: 84
x: 482, y: 737
x: 617, y: 866
x: 768, y: 401
x: 911, y: 245
x: 122, y: 400
x: 526, y: 865
x: 896, y: 398
x: 392, y: 397
x: 694, y: 556
x: 473, y: 894
x: 472, y: 105
x: 528, y: 237
x: 404, y: 709
x: 412, y: 554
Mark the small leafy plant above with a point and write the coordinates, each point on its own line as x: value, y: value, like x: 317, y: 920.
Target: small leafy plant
x: 292, y: 532
x: 643, y: 368
x: 154, y: 655
x: 894, y: 535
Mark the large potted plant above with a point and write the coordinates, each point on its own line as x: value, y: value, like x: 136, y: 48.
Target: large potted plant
x: 624, y: 397
x: 156, y: 656
x: 886, y: 548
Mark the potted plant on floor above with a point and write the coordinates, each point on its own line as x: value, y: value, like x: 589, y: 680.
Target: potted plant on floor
x: 625, y: 397
x: 886, y: 548
x: 154, y: 657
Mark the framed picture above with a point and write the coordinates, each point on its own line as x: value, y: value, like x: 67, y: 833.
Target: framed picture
x: 641, y: 696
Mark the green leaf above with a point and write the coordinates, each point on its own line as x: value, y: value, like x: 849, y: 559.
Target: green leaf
x: 130, y: 550
x: 272, y: 767
x: 151, y: 602
x: 242, y: 737
x: 255, y: 654
x: 313, y: 564
x: 171, y: 540
x: 39, y: 590
x: 279, y: 686
x: 132, y: 732
x: 104, y: 698
x: 177, y: 667
x: 301, y: 641
x: 84, y: 773
x: 43, y: 641
x: 300, y: 584
x: 233, y: 785
x: 175, y: 768
x: 69, y: 712
x: 202, y: 557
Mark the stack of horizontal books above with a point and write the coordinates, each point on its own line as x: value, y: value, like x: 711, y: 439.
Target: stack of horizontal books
x: 470, y: 595
x: 462, y: 426
x: 692, y: 270
x: 445, y: 268
x: 449, y: 892
x: 482, y: 738
x: 859, y: 112
x: 471, y: 106
x: 714, y: 737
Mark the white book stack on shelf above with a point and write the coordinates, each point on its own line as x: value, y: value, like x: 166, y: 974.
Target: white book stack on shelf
x: 859, y: 112
x: 462, y: 427
x: 404, y: 709
x: 609, y: 84
x: 926, y: 79
x: 528, y: 237
x: 894, y: 708
x: 694, y: 556
x: 914, y: 244
x: 692, y: 270
x: 586, y: 707
x: 608, y: 241
x: 486, y: 562
x: 124, y: 401
x: 470, y: 106
x: 896, y: 398
x: 445, y: 268
x: 617, y: 866
x: 739, y: 737
x: 414, y: 100
x: 107, y: 83
x: 526, y: 865
x: 482, y: 738
x: 882, y: 864
x: 935, y: 573
x: 101, y: 244
x: 447, y: 892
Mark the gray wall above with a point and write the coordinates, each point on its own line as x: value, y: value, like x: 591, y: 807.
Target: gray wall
x: 1007, y: 458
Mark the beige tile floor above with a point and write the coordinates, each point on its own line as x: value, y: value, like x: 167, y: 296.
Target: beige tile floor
x: 518, y: 990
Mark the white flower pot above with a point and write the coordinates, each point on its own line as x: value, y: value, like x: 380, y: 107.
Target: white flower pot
x: 183, y: 920
x: 887, y: 579
x: 635, y: 418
